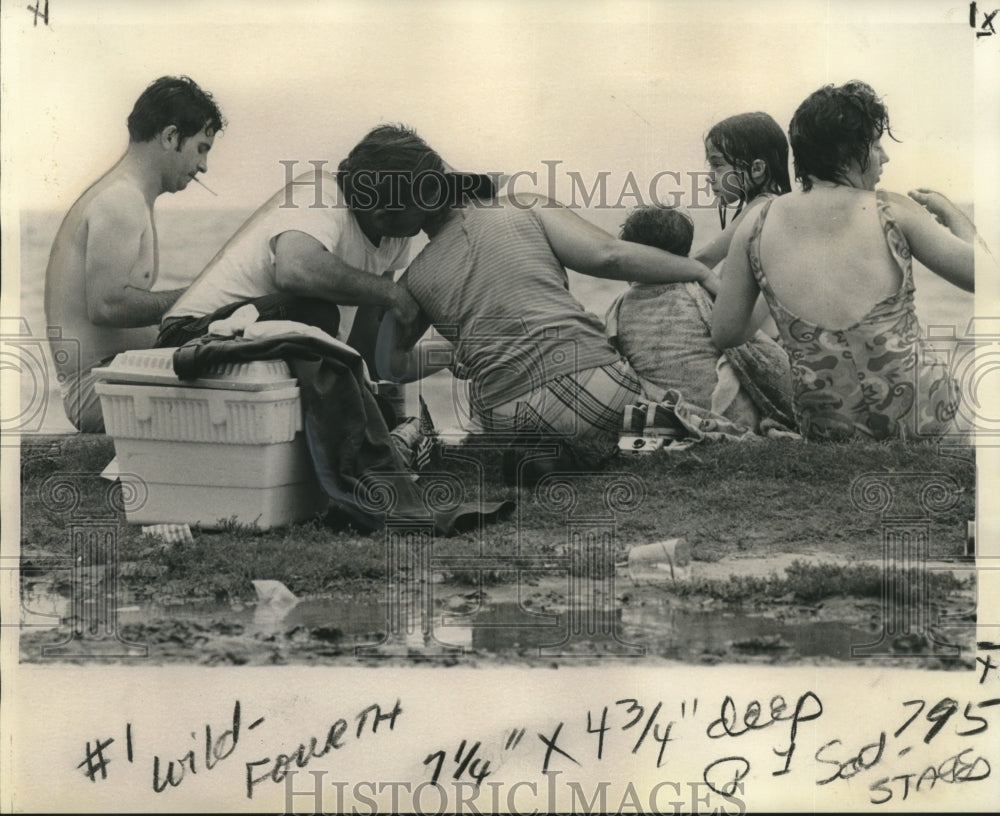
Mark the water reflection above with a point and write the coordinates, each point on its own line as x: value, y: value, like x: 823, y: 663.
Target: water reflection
x: 487, y: 628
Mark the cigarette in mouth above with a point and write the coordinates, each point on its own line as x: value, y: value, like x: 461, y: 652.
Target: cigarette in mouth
x: 205, y: 186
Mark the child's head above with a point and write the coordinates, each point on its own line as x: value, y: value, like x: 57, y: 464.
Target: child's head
x: 834, y: 129
x: 658, y: 225
x: 393, y: 178
x: 747, y: 155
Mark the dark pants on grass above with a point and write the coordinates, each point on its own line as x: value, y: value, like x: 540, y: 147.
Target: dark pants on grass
x: 176, y: 331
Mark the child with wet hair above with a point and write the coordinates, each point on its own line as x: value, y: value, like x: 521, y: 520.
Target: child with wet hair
x: 664, y: 331
x: 747, y: 157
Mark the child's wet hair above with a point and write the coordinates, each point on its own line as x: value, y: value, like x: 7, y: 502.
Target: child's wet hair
x: 748, y: 136
x: 833, y: 127
x: 660, y: 226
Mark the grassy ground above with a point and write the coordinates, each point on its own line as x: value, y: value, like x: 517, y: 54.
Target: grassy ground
x: 726, y: 499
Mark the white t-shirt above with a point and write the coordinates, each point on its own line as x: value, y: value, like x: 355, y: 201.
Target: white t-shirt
x: 244, y: 268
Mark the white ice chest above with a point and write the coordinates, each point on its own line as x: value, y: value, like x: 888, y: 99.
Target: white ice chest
x: 225, y: 447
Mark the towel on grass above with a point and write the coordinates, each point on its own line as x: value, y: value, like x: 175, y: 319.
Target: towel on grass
x: 702, y: 424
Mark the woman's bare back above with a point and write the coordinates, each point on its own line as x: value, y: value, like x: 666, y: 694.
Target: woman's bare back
x: 825, y: 255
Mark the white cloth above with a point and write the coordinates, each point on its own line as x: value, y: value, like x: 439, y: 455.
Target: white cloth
x: 236, y: 322
x: 244, y: 269
x: 726, y: 388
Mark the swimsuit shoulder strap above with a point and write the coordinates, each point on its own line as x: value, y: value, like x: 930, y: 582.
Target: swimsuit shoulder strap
x: 899, y: 247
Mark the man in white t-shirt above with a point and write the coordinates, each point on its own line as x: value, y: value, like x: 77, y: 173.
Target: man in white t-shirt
x: 316, y: 262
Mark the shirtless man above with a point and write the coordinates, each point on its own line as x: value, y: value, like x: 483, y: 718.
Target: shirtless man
x: 103, y: 263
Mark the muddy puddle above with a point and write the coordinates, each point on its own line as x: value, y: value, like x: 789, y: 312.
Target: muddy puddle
x: 475, y: 627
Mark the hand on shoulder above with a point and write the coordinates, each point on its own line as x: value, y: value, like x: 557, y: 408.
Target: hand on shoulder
x: 934, y: 202
x: 922, y: 201
x: 945, y: 250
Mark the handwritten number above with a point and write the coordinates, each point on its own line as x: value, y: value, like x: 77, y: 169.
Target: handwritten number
x: 985, y: 725
x: 977, y: 730
x: 663, y: 740
x: 920, y: 704
x: 649, y: 724
x: 939, y: 716
x: 478, y: 769
x: 633, y: 705
x: 38, y: 11
x: 600, y: 731
x: 439, y: 757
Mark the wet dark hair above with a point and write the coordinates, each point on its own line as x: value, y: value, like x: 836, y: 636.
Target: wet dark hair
x: 833, y: 127
x: 174, y: 101
x: 393, y: 168
x: 748, y: 136
x: 658, y: 225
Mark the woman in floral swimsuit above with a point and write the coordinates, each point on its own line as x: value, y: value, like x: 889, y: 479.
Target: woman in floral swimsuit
x: 834, y: 264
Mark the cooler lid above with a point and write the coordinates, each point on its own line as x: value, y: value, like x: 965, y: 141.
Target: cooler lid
x: 156, y: 367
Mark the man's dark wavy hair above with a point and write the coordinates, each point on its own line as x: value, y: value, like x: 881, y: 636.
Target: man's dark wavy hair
x: 174, y: 101
x: 833, y: 127
x: 381, y: 170
x: 660, y: 226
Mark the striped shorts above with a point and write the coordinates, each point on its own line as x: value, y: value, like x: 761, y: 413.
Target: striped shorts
x: 81, y: 403
x: 581, y: 411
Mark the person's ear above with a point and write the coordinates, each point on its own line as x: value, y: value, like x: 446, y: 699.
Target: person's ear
x: 170, y: 137
x: 758, y: 170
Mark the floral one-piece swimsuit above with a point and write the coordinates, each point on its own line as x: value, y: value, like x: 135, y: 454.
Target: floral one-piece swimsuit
x: 873, y: 379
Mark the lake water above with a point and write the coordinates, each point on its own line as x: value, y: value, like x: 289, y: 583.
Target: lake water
x: 188, y: 239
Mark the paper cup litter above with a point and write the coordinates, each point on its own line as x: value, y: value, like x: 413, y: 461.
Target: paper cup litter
x: 659, y: 562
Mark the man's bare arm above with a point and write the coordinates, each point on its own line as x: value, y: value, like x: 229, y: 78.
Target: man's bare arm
x: 304, y: 267
x: 399, y: 361
x: 114, y: 237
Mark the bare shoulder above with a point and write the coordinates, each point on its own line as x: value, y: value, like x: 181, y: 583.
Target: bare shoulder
x: 118, y: 205
x: 752, y: 207
x: 748, y: 219
x: 909, y: 214
x: 903, y: 205
x: 785, y: 203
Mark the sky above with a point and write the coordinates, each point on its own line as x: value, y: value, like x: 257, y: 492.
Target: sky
x: 618, y: 87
